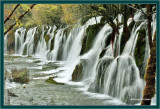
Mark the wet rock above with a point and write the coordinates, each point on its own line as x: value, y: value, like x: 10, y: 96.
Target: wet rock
x: 102, y: 53
x: 78, y: 72
x: 50, y: 80
x: 46, y: 37
x: 37, y: 61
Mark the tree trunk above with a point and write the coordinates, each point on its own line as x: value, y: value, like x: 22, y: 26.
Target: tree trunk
x: 125, y: 28
x: 115, y: 30
x: 149, y: 89
x: 149, y: 17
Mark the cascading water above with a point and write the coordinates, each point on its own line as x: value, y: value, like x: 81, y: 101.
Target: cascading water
x: 115, y: 73
x: 19, y: 40
x: 92, y: 55
x: 57, y: 45
x: 42, y: 46
x: 51, y: 35
x: 75, y: 47
x: 120, y: 77
x: 5, y: 44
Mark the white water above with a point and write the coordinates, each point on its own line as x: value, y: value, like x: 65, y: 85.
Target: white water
x: 93, y: 54
x: 75, y: 48
x: 5, y: 44
x: 121, y: 74
x: 19, y: 40
x: 42, y: 46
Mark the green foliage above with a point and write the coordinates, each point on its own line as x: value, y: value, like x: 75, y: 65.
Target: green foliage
x: 72, y: 13
x: 20, y: 76
x: 46, y: 14
x: 8, y: 8
x: 58, y: 14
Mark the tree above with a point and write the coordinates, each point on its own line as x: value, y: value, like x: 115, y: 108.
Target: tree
x: 11, y: 13
x: 149, y: 90
x: 19, y: 18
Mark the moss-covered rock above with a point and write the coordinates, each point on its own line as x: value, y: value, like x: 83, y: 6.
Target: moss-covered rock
x: 140, y: 50
x: 78, y: 72
x: 20, y: 76
x: 50, y: 80
x: 88, y: 39
x: 46, y: 37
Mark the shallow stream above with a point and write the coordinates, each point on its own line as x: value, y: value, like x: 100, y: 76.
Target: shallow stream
x: 39, y: 92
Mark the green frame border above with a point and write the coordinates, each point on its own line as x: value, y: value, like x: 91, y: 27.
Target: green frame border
x: 2, y: 2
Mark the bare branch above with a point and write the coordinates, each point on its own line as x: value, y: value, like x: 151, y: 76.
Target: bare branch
x: 118, y: 9
x: 137, y: 9
x: 8, y: 18
x: 19, y: 18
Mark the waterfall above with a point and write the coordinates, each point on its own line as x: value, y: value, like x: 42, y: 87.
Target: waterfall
x: 57, y: 44
x: 129, y: 48
x: 69, y: 42
x: 51, y: 34
x: 5, y: 44
x: 73, y: 57
x: 92, y: 55
x: 76, y: 46
x: 42, y: 47
x: 120, y: 76
x: 122, y: 79
x: 115, y: 73
x: 19, y: 40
